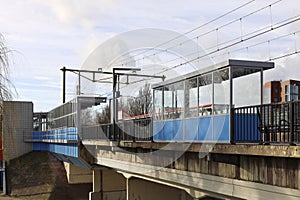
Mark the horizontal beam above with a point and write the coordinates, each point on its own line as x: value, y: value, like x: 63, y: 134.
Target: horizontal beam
x: 238, y: 149
x: 111, y: 73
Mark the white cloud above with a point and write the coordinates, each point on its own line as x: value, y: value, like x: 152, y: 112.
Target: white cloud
x: 77, y: 12
x: 50, y: 34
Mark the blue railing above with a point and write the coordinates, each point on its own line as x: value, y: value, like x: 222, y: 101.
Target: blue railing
x: 62, y: 134
x: 61, y: 141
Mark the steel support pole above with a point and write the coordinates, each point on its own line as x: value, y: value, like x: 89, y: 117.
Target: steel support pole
x: 114, y: 104
x: 64, y: 84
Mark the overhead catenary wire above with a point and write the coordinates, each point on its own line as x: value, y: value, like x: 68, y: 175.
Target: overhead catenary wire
x: 286, y: 22
x: 276, y: 26
x: 197, y: 28
x: 203, y: 34
x: 251, y: 36
x: 230, y: 43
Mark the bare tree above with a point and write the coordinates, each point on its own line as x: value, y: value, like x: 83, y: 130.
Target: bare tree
x: 139, y: 105
x: 87, y: 117
x: 142, y: 103
x: 104, y: 116
x: 6, y: 87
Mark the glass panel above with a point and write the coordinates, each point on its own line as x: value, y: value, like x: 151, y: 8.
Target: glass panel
x: 158, y: 104
x: 246, y: 89
x: 63, y: 116
x: 174, y: 100
x: 178, y: 100
x: 191, y: 98
x: 221, y: 91
x: 267, y: 97
x: 294, y: 92
x: 168, y: 101
x: 294, y: 89
x: 243, y: 71
x: 294, y: 97
x: 287, y: 89
x: 205, y: 94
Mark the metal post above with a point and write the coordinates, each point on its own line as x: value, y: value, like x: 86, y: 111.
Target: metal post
x: 64, y: 84
x: 261, y: 86
x: 114, y: 104
x: 291, y: 116
x: 79, y: 89
x: 231, y: 108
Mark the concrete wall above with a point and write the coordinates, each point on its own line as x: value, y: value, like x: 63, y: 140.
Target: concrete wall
x: 17, y: 124
x: 141, y: 189
x: 77, y: 174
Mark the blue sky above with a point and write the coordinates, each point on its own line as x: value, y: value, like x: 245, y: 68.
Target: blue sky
x: 46, y: 35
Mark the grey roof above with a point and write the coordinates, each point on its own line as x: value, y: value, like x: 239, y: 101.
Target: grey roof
x: 217, y: 66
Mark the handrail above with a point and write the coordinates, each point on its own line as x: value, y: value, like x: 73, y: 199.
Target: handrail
x: 267, y: 123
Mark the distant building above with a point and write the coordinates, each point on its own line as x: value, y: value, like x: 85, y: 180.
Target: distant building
x: 281, y: 91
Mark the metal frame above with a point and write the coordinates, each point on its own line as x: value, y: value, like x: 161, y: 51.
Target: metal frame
x: 231, y: 64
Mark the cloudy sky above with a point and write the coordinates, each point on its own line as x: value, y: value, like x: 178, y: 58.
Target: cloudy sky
x: 46, y: 35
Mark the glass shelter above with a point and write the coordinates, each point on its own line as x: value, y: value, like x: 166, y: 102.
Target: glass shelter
x: 197, y: 106
x: 63, y: 129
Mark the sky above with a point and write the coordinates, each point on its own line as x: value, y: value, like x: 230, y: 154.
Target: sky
x: 44, y: 36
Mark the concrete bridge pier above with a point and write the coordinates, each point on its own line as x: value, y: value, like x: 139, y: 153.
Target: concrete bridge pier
x: 112, y: 185
x: 138, y: 189
x: 108, y: 184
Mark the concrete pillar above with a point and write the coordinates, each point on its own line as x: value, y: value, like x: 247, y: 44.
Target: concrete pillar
x: 127, y: 188
x: 147, y: 190
x: 77, y: 174
x: 97, y: 192
x: 108, y: 184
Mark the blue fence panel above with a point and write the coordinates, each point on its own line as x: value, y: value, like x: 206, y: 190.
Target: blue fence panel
x: 168, y: 130
x: 191, y: 129
x: 158, y: 129
x: 221, y: 128
x: 178, y: 130
x: 71, y: 134
x: 247, y: 127
x: 196, y: 129
x: 205, y: 129
x: 35, y: 135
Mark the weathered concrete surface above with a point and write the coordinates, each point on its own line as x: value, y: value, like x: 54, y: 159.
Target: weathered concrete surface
x: 240, y: 149
x: 16, y: 126
x: 108, y: 184
x: 207, y: 184
x: 147, y: 190
x: 251, y: 169
x: 77, y: 174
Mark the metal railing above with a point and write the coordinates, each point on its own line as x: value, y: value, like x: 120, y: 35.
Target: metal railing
x: 131, y: 130
x: 136, y: 129
x: 268, y: 123
x: 259, y: 124
x: 97, y: 132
